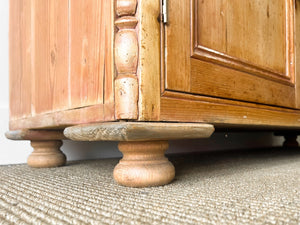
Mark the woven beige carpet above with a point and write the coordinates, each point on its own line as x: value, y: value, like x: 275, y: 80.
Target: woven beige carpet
x: 244, y: 187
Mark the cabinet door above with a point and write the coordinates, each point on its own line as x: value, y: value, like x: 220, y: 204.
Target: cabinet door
x: 232, y: 49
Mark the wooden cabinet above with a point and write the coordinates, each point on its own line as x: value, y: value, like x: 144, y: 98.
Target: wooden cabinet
x: 241, y: 50
x: 122, y: 70
x: 61, y: 62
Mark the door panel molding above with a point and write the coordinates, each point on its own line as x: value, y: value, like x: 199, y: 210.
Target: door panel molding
x: 211, y: 55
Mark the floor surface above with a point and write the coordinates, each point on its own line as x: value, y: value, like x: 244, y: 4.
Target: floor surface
x: 259, y: 186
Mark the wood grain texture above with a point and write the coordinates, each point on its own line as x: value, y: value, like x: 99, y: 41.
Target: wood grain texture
x: 215, y: 80
x: 59, y: 54
x: 110, y: 72
x: 138, y: 131
x: 46, y: 154
x: 227, y: 27
x: 50, y: 60
x: 61, y: 58
x: 20, y: 54
x: 297, y: 55
x: 62, y: 119
x: 177, y: 50
x: 144, y: 164
x: 290, y: 40
x: 35, y: 135
x: 149, y: 60
x: 192, y: 108
x: 87, y: 54
x: 42, y: 80
x: 231, y: 49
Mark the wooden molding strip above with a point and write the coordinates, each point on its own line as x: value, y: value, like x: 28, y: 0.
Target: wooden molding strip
x: 188, y: 108
x: 35, y: 135
x: 126, y: 60
x: 138, y: 131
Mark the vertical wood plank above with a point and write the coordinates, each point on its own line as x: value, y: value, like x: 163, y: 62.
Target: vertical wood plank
x: 43, y: 81
x: 178, y: 77
x: 87, y: 37
x: 51, y: 55
x: 297, y: 49
x: 149, y: 71
x: 19, y: 58
x: 59, y: 53
x: 108, y: 8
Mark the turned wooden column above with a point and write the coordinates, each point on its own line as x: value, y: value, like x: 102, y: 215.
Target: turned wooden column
x: 46, y: 146
x: 126, y: 60
x: 46, y: 154
x: 144, y: 164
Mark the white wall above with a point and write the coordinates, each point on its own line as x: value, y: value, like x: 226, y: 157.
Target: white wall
x: 12, y: 152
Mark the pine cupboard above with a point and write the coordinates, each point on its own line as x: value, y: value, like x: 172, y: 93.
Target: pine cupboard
x: 144, y: 72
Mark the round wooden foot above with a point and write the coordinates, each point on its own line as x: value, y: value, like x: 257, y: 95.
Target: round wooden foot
x: 46, y: 154
x: 144, y: 164
x: 291, y: 141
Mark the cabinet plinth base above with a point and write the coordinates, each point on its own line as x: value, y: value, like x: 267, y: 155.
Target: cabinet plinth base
x: 144, y: 164
x: 46, y: 154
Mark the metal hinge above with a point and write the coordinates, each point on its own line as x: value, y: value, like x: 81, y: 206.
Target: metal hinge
x: 165, y: 11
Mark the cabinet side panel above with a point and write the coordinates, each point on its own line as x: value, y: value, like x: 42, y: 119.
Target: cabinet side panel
x: 50, y: 55
x: 19, y: 58
x: 90, y: 27
x: 59, y: 54
x: 109, y: 74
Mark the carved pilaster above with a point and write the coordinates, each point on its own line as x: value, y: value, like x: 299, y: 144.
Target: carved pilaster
x: 126, y: 60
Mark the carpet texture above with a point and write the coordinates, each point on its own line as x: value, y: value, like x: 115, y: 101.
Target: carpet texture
x: 240, y: 187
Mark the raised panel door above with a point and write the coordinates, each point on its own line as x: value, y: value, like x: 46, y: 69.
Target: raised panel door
x: 232, y: 49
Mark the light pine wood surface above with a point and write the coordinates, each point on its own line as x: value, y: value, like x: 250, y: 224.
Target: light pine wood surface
x: 144, y: 164
x: 61, y: 59
x: 112, y: 70
x: 219, y: 49
x: 222, y: 112
x: 46, y: 154
x: 297, y: 55
x: 126, y: 60
x: 123, y: 63
x: 149, y: 67
x: 236, y: 27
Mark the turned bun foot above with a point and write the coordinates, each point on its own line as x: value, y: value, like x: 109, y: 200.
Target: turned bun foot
x: 291, y: 141
x: 46, y: 154
x: 144, y: 164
